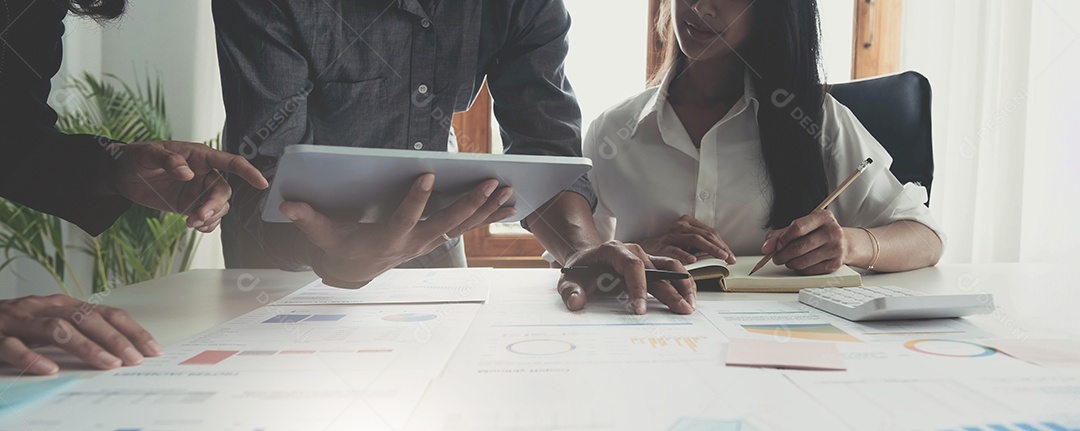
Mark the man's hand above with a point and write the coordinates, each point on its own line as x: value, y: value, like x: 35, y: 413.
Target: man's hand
x: 358, y: 252
x: 104, y: 337
x: 182, y: 177
x: 687, y: 237
x: 629, y: 262
x: 810, y: 245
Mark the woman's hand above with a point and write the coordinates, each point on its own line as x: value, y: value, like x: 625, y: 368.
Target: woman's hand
x: 101, y: 336
x: 687, y: 237
x: 811, y: 245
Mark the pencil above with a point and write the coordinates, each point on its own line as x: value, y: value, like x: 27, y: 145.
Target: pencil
x: 828, y: 200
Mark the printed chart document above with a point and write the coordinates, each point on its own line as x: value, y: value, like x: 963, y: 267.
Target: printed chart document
x: 547, y: 338
x: 800, y: 322
x: 1040, y: 401
x: 402, y: 286
x: 633, y: 397
x: 276, y: 368
x: 909, y: 348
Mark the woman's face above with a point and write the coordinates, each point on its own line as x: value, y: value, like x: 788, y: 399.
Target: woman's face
x: 709, y: 29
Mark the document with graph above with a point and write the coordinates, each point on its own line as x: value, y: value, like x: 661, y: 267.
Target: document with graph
x: 300, y: 367
x: 1040, y: 400
x: 913, y: 348
x: 402, y: 286
x: 800, y: 322
x: 546, y: 338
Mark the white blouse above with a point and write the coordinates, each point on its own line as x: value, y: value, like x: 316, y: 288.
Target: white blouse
x: 647, y: 172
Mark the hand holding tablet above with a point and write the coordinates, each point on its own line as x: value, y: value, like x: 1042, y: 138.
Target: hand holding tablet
x: 364, y: 211
x: 350, y: 254
x: 368, y: 184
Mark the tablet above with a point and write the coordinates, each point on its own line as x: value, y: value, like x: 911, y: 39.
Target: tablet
x: 368, y: 184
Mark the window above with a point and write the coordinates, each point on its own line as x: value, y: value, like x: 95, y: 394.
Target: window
x: 608, y: 61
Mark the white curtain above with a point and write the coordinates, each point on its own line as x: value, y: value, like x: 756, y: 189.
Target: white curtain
x: 1006, y: 91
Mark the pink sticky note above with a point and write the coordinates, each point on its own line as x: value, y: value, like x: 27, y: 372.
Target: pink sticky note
x: 790, y: 354
x: 1044, y: 352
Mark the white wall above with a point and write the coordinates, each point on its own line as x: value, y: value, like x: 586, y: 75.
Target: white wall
x: 837, y: 37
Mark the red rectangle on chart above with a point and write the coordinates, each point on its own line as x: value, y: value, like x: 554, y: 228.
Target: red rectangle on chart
x: 210, y: 357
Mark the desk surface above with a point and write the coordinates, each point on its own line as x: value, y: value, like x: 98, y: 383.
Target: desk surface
x: 1033, y: 300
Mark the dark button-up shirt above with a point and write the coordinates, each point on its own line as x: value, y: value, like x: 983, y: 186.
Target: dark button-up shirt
x: 387, y: 74
x: 41, y: 168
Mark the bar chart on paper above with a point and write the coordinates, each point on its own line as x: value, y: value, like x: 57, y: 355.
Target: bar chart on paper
x: 669, y: 343
x: 1020, y: 426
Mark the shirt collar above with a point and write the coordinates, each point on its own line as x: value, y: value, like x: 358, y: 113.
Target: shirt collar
x: 659, y: 98
x: 414, y: 7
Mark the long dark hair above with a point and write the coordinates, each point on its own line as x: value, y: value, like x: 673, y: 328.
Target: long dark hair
x: 783, y: 57
x: 101, y: 10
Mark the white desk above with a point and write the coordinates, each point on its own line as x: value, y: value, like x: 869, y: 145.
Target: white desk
x: 1032, y: 300
x: 1031, y: 297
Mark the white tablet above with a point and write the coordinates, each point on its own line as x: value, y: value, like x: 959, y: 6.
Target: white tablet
x: 367, y: 184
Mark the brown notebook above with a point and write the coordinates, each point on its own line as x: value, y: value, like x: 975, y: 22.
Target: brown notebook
x: 770, y: 278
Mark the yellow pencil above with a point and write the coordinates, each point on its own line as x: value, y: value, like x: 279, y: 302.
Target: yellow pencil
x: 828, y: 200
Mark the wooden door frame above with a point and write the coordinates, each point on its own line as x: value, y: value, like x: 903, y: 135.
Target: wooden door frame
x: 484, y: 249
x: 876, y: 48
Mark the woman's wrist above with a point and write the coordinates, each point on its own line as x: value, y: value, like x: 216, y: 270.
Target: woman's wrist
x: 860, y: 247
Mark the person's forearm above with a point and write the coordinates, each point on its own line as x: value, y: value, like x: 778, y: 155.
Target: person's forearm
x: 564, y: 225
x: 902, y: 246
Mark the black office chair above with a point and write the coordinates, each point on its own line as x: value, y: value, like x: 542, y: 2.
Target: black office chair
x: 896, y: 111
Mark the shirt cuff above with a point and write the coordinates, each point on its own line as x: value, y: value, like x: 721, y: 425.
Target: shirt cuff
x: 97, y: 212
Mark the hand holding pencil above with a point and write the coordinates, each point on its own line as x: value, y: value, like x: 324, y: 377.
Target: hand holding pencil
x: 812, y: 244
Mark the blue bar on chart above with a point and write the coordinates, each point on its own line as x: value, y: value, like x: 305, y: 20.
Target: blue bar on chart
x: 1019, y: 426
x: 287, y: 318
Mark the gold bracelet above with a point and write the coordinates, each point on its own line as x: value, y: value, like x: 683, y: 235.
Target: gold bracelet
x: 877, y: 248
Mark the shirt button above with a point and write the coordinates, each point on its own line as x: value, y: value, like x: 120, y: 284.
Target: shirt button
x: 425, y: 23
x: 418, y: 146
x: 704, y: 196
x: 423, y: 89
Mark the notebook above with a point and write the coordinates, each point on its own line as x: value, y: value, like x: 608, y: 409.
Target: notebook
x: 770, y: 278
